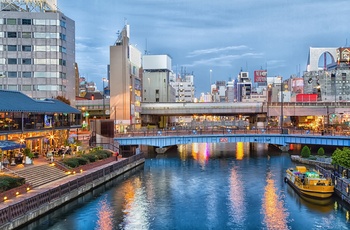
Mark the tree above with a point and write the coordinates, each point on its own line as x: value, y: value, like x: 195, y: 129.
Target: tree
x: 63, y: 99
x: 305, y: 152
x: 320, y: 151
x: 341, y: 157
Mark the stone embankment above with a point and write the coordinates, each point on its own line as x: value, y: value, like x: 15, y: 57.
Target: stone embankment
x: 339, y: 175
x: 37, y: 202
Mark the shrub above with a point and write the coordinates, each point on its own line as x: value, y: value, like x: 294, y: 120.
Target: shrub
x: 82, y: 160
x: 341, y: 157
x: 71, y: 162
x: 305, y: 152
x: 313, y: 158
x: 90, y: 157
x: 8, y: 182
x: 320, y: 151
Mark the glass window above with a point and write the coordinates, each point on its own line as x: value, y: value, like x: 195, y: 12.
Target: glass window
x: 27, y: 48
x: 26, y: 87
x: 11, y: 48
x: 62, y: 75
x: 63, y: 36
x: 26, y: 34
x: 26, y: 61
x: 62, y: 62
x: 2, y: 48
x: 12, y: 87
x: 1, y: 21
x: 39, y: 22
x: 26, y: 21
x: 11, y: 21
x: 26, y: 74
x: 12, y: 61
x: 1, y: 34
x: 63, y: 24
x: 48, y: 87
x: 2, y: 61
x: 63, y: 49
x: 12, y: 74
x: 12, y: 34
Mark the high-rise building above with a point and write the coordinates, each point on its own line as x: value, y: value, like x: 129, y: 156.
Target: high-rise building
x: 125, y: 82
x: 184, y: 88
x: 37, y: 44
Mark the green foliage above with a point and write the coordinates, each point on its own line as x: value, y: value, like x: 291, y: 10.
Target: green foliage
x: 313, y: 158
x: 71, y: 162
x: 83, y: 159
x: 8, y: 182
x: 320, y: 151
x: 305, y: 152
x: 27, y: 152
x: 341, y: 157
x: 90, y: 157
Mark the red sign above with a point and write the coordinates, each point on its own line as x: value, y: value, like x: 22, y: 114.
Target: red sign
x: 260, y: 75
x: 224, y: 140
x: 306, y: 97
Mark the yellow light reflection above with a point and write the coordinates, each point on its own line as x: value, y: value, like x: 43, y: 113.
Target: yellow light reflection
x: 239, y: 150
x: 199, y: 153
x: 275, y: 215
x: 237, y: 207
x: 105, y: 216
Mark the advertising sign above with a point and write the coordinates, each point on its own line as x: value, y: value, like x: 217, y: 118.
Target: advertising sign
x: 260, y: 75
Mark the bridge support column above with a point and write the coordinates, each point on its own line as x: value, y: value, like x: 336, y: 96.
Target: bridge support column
x: 284, y: 148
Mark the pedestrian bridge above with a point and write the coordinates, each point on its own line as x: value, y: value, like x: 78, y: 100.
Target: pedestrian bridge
x: 277, y: 139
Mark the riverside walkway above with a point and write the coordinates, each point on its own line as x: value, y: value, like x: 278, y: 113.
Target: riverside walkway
x: 26, y: 207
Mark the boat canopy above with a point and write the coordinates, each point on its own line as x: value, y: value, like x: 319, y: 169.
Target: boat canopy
x: 301, y: 169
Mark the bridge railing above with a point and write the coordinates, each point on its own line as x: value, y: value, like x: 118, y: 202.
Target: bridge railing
x: 178, y: 132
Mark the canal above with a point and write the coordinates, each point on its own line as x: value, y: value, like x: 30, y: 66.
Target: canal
x: 201, y: 186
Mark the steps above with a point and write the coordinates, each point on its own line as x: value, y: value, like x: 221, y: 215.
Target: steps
x: 41, y: 174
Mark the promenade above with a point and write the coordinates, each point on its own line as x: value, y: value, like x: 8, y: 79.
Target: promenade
x: 46, y: 197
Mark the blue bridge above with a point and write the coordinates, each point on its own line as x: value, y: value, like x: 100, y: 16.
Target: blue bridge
x: 161, y: 140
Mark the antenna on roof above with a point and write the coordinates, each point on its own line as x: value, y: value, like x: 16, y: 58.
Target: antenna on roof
x: 346, y: 42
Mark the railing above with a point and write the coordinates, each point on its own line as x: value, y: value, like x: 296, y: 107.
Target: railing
x: 19, y: 209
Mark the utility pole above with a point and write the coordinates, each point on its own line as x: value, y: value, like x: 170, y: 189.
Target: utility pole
x: 281, y: 106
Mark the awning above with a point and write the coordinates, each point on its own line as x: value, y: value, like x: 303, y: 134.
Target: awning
x: 9, y: 145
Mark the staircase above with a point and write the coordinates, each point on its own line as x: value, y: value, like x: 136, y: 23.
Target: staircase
x: 41, y: 174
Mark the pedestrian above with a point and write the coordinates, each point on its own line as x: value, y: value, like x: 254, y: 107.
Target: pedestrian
x: 52, y: 159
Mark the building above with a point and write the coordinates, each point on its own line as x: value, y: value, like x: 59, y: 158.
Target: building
x: 37, y: 44
x: 125, y: 83
x: 156, y: 79
x: 39, y: 124
x: 184, y: 88
x: 330, y: 82
x: 243, y: 86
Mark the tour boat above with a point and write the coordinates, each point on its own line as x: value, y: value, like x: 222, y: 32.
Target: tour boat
x: 309, y: 183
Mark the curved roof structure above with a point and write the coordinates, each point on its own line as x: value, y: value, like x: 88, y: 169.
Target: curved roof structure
x: 14, y: 101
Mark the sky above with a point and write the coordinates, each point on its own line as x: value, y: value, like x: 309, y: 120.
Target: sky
x: 225, y: 36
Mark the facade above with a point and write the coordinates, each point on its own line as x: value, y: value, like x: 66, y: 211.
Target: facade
x: 331, y: 83
x: 37, y: 44
x: 156, y: 79
x: 39, y: 124
x: 184, y: 88
x: 243, y: 86
x: 125, y: 83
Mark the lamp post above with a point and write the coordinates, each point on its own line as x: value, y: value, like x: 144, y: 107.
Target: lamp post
x: 210, y: 73
x: 281, y: 106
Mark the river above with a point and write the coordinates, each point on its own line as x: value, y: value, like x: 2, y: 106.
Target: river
x: 201, y: 186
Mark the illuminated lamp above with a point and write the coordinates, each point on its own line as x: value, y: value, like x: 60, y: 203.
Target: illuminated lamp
x: 5, y: 197
x: 17, y: 193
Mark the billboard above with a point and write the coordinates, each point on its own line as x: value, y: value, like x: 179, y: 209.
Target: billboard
x: 260, y: 75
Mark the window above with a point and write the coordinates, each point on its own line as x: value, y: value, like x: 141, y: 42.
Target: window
x: 12, y: 74
x: 63, y: 49
x: 11, y: 21
x: 26, y: 21
x: 63, y: 75
x: 11, y: 48
x: 62, y: 62
x: 26, y: 74
x: 26, y: 88
x: 12, y: 61
x: 12, y: 87
x: 27, y: 48
x: 63, y: 24
x: 12, y: 34
x: 343, y: 74
x: 26, y: 35
x: 26, y: 61
x: 62, y: 36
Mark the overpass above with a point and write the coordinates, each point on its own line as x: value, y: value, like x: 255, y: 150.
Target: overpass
x: 271, y: 108
x: 169, y: 139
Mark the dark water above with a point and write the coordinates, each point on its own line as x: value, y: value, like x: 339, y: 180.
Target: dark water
x: 201, y: 186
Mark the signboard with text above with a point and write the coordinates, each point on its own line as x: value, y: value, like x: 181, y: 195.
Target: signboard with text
x: 260, y: 75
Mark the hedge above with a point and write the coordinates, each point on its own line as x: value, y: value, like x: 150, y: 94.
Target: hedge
x: 8, y: 182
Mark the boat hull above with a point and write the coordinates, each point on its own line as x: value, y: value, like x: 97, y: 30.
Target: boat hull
x: 313, y: 191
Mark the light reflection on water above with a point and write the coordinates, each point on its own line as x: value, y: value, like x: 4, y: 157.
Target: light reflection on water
x: 203, y: 186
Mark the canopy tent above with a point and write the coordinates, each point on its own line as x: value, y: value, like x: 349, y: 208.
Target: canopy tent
x: 9, y: 145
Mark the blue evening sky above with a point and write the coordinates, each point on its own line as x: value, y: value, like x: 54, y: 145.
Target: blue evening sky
x: 222, y: 35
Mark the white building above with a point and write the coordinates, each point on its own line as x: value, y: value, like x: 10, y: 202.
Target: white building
x: 156, y: 79
x: 184, y: 89
x: 37, y: 44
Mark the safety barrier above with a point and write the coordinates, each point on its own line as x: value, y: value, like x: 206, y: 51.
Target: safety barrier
x: 30, y: 204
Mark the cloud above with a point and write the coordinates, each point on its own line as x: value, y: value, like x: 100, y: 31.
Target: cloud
x: 215, y: 50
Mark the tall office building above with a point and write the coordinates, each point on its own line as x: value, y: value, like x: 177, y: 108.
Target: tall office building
x: 37, y: 44
x: 125, y: 82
